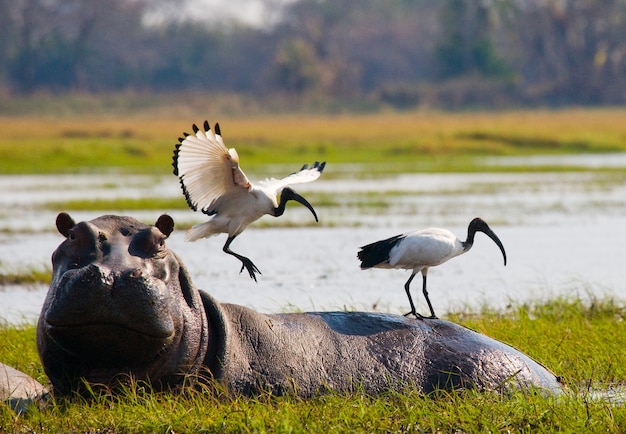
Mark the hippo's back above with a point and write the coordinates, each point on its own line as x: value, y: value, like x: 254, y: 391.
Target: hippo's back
x: 375, y: 352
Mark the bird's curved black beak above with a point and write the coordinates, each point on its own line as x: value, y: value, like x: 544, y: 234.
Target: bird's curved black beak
x: 289, y: 194
x: 491, y: 234
x: 479, y: 225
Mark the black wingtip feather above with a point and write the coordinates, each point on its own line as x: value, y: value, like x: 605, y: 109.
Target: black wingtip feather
x: 175, y: 165
x: 317, y: 165
x: 195, y: 128
x: 175, y: 158
x: 206, y: 125
x: 187, y: 198
x: 217, y: 129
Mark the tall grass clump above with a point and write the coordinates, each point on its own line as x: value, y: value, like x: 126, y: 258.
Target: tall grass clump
x: 135, y: 410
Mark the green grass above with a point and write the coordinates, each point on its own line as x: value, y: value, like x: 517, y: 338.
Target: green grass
x: 419, y: 141
x: 119, y: 204
x: 582, y: 342
x: 29, y: 275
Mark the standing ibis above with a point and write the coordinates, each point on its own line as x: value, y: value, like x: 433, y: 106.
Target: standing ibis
x: 213, y: 182
x: 420, y: 250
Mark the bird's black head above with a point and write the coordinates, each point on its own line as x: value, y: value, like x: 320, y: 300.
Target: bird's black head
x: 479, y: 225
x: 289, y: 194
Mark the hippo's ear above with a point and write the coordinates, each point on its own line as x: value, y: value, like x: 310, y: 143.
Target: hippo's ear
x: 165, y: 224
x: 65, y: 223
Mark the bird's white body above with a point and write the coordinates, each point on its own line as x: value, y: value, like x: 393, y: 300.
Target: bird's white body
x: 229, y: 219
x: 424, y: 248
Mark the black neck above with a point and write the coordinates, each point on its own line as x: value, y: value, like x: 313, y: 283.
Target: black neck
x: 280, y: 209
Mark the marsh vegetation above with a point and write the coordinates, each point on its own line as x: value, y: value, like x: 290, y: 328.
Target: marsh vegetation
x: 582, y: 341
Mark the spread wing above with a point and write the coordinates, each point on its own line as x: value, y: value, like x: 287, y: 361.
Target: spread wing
x: 207, y: 170
x: 305, y: 174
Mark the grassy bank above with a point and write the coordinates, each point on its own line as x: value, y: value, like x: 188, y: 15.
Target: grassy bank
x: 582, y: 342
x: 142, y: 142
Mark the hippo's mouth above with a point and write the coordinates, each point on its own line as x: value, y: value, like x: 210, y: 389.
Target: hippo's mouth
x: 91, y: 308
x: 109, y: 344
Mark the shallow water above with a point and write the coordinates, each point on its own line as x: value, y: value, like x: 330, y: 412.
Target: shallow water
x: 563, y: 233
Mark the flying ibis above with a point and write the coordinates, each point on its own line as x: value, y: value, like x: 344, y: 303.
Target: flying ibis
x: 213, y: 183
x: 420, y: 250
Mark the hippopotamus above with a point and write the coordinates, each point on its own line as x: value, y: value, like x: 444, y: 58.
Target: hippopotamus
x: 122, y: 305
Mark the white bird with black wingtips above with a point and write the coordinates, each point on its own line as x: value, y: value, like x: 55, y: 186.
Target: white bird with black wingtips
x: 213, y: 182
x: 420, y: 250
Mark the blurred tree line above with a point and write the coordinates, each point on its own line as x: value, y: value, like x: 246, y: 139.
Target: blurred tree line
x: 404, y: 53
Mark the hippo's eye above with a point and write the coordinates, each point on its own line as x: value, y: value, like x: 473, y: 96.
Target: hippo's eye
x: 102, y: 237
x: 71, y: 236
x: 160, y: 243
x: 147, y: 243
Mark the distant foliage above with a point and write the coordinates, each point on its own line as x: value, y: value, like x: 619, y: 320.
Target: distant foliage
x: 403, y: 53
x: 465, y: 46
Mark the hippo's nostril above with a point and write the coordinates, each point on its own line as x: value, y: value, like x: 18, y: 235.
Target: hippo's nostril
x: 108, y: 279
x: 101, y: 274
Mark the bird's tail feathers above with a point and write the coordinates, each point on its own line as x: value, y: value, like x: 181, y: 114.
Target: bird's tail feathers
x: 377, y: 253
x: 201, y: 230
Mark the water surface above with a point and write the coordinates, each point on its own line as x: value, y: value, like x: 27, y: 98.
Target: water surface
x: 563, y: 233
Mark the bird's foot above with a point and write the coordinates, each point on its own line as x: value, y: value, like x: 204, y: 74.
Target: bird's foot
x: 249, y: 265
x: 416, y: 315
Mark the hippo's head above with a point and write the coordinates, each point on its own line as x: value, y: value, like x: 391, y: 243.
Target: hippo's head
x: 120, y: 305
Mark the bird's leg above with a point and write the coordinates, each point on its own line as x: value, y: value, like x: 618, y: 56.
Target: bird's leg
x: 408, y: 293
x: 430, y: 306
x: 245, y: 262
